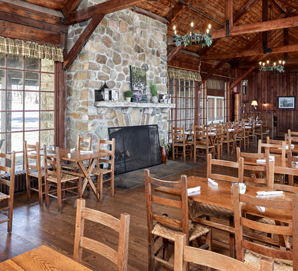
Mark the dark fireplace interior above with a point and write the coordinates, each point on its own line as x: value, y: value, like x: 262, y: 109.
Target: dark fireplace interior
x: 136, y: 147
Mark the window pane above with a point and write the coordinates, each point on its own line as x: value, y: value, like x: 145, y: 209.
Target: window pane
x: 31, y: 100
x: 2, y: 60
x: 2, y: 143
x: 31, y: 137
x: 46, y: 137
x: 31, y: 64
x: 14, y: 121
x: 14, y: 80
x: 14, y: 142
x: 47, y: 65
x: 19, y: 161
x: 31, y: 81
x: 47, y: 82
x: 47, y: 120
x: 15, y: 62
x: 31, y: 120
x: 14, y: 100
x: 3, y: 100
x: 2, y: 79
x: 47, y: 101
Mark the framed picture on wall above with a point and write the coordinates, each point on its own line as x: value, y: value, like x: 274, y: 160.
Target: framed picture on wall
x: 286, y: 102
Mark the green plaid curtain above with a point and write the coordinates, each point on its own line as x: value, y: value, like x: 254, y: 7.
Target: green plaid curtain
x: 183, y: 74
x: 30, y: 49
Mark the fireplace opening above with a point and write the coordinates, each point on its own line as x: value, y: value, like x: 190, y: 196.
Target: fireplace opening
x: 136, y: 147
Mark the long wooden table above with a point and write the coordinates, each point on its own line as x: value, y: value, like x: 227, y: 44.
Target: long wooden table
x: 279, y: 162
x: 79, y: 157
x: 42, y: 258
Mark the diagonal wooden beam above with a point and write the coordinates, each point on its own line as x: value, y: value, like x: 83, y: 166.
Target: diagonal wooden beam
x: 210, y: 73
x: 102, y: 8
x: 254, y: 52
x: 174, y: 52
x: 175, y: 12
x: 242, y: 77
x: 71, y: 5
x: 76, y: 49
x: 150, y: 14
x: 292, y: 4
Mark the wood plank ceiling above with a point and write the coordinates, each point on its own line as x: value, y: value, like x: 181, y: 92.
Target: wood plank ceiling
x: 247, y: 20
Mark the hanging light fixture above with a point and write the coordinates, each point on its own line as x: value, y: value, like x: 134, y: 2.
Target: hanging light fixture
x: 192, y: 38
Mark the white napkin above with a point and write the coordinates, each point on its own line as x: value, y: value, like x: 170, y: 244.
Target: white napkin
x: 194, y: 191
x: 72, y: 150
x: 263, y: 161
x: 230, y: 130
x: 212, y: 182
x: 85, y: 152
x: 270, y: 193
x: 260, y: 208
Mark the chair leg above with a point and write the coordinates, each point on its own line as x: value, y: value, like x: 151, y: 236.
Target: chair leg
x: 209, y: 239
x: 47, y: 198
x: 80, y: 182
x: 10, y: 210
x: 151, y: 261
x: 232, y: 238
x: 28, y: 187
x: 165, y: 248
x: 59, y: 197
x: 40, y: 190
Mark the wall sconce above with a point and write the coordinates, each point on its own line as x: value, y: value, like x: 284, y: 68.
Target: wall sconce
x: 254, y: 103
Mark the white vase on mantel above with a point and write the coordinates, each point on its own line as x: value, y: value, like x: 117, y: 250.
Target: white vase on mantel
x: 128, y: 99
x: 154, y: 99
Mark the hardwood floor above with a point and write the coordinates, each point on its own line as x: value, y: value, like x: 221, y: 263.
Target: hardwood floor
x: 35, y: 225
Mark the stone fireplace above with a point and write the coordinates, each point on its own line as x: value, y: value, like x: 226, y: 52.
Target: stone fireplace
x: 122, y: 39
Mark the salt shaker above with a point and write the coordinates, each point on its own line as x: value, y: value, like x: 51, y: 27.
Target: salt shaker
x: 69, y: 155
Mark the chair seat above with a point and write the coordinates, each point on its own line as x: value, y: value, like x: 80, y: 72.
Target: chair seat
x: 98, y: 171
x: 167, y: 232
x: 64, y: 178
x: 35, y: 173
x: 211, y: 210
x: 266, y: 220
x: 4, y: 196
x: 187, y: 143
x: 254, y: 259
x: 73, y: 166
x: 203, y: 146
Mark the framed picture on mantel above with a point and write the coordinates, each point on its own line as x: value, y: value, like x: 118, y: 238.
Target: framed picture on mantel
x: 286, y: 102
x: 138, y: 79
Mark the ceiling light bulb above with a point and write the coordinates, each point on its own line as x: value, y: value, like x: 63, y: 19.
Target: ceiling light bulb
x: 267, y: 61
x: 191, y: 24
x: 280, y: 62
x: 260, y: 63
x: 175, y: 32
x: 263, y: 63
x: 283, y: 62
x: 174, y: 27
x: 274, y: 63
x: 209, y: 26
x: 207, y: 31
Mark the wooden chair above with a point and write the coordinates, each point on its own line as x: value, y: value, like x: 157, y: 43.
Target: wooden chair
x: 9, y: 183
x: 121, y: 226
x: 110, y: 160
x: 293, y: 139
x: 228, y: 138
x: 55, y: 177
x: 260, y: 130
x: 246, y: 138
x: 203, y: 140
x: 238, y: 135
x: 260, y: 174
x: 292, y: 134
x: 291, y: 159
x: 271, y: 147
x: 179, y: 142
x: 251, y: 252
x: 33, y: 169
x: 219, y: 141
x: 163, y: 225
x: 83, y: 144
x: 273, y: 141
x: 185, y: 254
x: 252, y: 135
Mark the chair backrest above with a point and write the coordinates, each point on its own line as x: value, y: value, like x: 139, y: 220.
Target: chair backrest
x: 274, y: 141
x: 291, y: 159
x: 108, y: 147
x: 293, y: 139
x: 223, y: 163
x: 121, y: 226
x: 181, y: 202
x: 201, y: 135
x: 292, y: 134
x: 84, y: 144
x: 291, y: 172
x: 187, y: 254
x: 178, y: 135
x: 244, y: 204
x: 267, y: 178
x: 52, y: 166
x: 32, y: 158
x: 271, y: 147
x: 9, y: 168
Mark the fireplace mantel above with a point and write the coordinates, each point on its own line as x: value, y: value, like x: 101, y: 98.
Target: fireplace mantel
x: 105, y: 104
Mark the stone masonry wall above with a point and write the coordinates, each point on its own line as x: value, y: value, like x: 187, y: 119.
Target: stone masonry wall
x: 122, y: 39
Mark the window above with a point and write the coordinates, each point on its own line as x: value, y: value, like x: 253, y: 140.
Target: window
x: 27, y: 103
x: 215, y: 109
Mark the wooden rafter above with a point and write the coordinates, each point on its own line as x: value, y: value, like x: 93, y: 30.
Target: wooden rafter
x: 292, y: 4
x: 254, y: 52
x: 175, y: 12
x: 102, y: 8
x: 71, y: 5
x: 229, y: 13
x: 242, y: 77
x: 150, y: 14
x: 76, y: 49
x: 210, y: 73
x: 174, y: 52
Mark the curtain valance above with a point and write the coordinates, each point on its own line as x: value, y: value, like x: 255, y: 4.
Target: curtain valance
x: 183, y: 74
x: 30, y: 49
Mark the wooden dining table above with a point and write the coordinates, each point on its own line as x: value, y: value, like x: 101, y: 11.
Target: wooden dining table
x: 79, y: 157
x: 279, y: 162
x: 42, y: 258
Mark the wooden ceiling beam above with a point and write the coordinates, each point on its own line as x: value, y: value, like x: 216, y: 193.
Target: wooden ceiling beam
x: 292, y: 4
x: 214, y: 69
x: 174, y: 52
x: 76, y: 49
x: 254, y: 52
x: 175, y: 12
x: 102, y: 8
x: 229, y: 14
x: 150, y: 14
x: 242, y: 77
x: 71, y: 5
